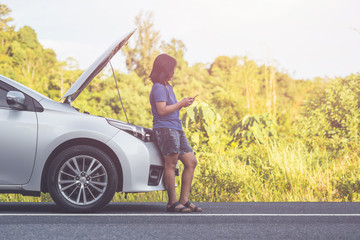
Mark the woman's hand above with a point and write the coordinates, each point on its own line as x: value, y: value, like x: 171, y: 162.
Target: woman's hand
x: 185, y: 102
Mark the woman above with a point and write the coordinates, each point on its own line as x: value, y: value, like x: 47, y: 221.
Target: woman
x: 169, y: 134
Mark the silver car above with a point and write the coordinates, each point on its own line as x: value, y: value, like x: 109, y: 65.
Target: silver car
x: 80, y: 159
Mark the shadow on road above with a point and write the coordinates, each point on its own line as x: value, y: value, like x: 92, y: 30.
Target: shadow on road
x: 27, y: 207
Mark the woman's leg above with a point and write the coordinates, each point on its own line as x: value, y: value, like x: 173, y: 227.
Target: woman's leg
x: 189, y: 161
x: 169, y: 177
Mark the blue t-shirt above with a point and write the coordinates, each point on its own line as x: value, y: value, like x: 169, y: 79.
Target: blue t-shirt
x: 161, y: 93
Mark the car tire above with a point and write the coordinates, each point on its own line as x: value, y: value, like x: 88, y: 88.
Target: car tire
x: 82, y: 179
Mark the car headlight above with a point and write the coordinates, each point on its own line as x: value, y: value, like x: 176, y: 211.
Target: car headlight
x: 144, y: 134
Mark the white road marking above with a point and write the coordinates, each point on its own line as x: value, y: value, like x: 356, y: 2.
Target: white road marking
x: 175, y: 215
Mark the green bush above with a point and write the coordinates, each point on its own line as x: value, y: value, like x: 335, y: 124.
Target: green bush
x: 332, y: 116
x: 254, y: 129
x: 201, y: 123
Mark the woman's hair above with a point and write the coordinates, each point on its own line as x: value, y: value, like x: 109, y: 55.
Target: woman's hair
x: 163, y: 69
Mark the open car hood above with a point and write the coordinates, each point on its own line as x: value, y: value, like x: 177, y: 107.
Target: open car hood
x: 94, y: 69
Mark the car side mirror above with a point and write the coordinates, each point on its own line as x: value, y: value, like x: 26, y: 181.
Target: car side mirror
x: 15, y: 100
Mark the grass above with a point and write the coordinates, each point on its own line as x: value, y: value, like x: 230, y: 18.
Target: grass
x: 271, y: 172
x: 278, y: 173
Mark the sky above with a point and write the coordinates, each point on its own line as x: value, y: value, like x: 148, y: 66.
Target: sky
x: 304, y: 38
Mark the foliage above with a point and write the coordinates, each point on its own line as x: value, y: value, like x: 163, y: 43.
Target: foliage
x: 140, y: 57
x: 4, y: 19
x: 332, y: 115
x: 254, y: 129
x: 201, y: 123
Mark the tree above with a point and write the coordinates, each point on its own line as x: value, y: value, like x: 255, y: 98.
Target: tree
x: 140, y: 57
x: 331, y: 117
x: 4, y: 27
x: 249, y: 74
x: 4, y: 11
x: 270, y: 86
x: 223, y: 65
x: 24, y: 59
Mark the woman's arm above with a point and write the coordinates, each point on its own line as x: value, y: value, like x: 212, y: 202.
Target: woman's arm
x: 164, y: 109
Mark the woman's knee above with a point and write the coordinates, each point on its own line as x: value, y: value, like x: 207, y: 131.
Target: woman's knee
x: 189, y: 160
x: 193, y: 162
x: 171, y: 160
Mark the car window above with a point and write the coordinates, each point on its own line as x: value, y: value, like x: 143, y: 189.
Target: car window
x: 3, y: 103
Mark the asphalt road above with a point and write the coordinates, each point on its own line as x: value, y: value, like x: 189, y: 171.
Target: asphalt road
x: 150, y: 221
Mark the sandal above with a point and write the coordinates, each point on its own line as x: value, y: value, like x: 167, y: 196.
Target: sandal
x: 192, y: 207
x: 173, y: 208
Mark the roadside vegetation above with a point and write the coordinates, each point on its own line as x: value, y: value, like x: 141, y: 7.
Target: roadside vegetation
x: 258, y: 134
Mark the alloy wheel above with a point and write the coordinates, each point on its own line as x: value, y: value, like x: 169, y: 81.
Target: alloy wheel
x: 82, y: 180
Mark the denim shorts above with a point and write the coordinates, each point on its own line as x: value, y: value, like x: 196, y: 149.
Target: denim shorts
x: 172, y: 141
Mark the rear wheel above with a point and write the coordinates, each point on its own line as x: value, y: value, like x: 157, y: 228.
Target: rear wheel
x: 82, y: 179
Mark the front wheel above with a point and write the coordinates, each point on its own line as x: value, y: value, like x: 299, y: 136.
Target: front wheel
x: 82, y: 179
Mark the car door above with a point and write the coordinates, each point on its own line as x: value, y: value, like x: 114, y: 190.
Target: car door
x: 18, y: 139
